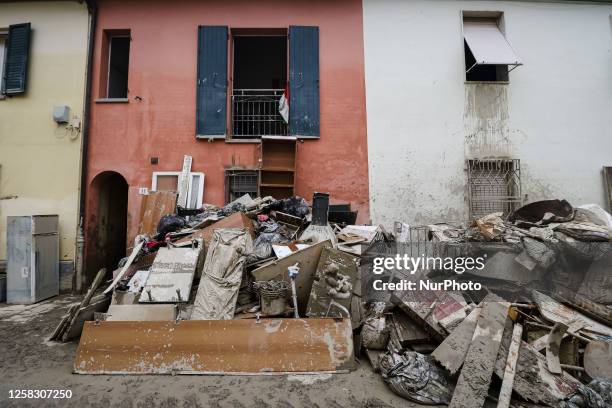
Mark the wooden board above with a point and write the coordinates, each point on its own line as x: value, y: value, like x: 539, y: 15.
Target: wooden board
x: 452, y: 351
x: 154, y: 206
x: 308, y: 259
x: 473, y: 383
x: 236, y: 220
x: 333, y: 266
x: 241, y: 346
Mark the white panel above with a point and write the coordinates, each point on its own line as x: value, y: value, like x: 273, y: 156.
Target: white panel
x: 488, y: 44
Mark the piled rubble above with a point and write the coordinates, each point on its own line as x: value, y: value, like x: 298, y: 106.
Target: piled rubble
x: 538, y: 332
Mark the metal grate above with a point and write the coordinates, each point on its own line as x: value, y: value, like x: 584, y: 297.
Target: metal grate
x: 255, y: 113
x: 494, y: 185
x: 239, y: 183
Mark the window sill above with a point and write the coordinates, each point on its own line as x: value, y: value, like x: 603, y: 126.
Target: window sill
x: 255, y: 140
x: 112, y: 100
x: 487, y: 82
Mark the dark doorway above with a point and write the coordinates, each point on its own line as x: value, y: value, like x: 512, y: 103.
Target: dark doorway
x: 107, y: 232
x: 259, y: 80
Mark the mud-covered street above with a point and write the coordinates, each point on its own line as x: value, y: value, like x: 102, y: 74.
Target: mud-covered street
x: 29, y: 361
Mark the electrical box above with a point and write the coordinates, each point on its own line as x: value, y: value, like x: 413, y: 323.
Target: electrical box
x: 61, y: 114
x: 32, y: 270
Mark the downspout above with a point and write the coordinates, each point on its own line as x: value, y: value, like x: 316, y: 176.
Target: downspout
x: 92, y: 9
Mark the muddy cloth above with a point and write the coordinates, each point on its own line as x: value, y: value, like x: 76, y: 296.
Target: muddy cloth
x: 596, y: 394
x: 295, y: 206
x: 170, y: 223
x: 416, y: 377
x: 222, y: 274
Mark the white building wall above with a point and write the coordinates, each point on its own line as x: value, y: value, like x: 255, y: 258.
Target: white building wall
x: 424, y: 121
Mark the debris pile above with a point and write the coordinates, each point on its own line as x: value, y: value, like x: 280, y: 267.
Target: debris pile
x: 259, y: 264
x: 264, y: 285
x: 538, y: 331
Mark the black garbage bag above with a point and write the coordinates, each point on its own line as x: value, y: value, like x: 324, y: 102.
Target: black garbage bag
x: 270, y: 233
x: 295, y: 206
x: 170, y: 223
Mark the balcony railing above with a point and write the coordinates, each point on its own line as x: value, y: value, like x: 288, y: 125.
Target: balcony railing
x: 255, y: 113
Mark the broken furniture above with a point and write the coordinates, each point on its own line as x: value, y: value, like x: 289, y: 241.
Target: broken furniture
x: 278, y: 165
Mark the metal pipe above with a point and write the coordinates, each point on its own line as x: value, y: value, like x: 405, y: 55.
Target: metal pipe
x: 92, y: 8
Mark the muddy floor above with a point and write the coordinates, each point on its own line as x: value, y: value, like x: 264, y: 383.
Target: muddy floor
x: 29, y: 361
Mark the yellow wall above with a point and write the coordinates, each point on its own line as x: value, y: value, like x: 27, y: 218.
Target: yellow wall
x: 39, y: 159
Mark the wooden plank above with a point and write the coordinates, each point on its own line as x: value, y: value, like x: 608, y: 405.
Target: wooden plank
x: 532, y: 381
x: 98, y: 304
x: 473, y: 384
x: 141, y: 313
x: 452, y: 351
x: 553, y: 345
x: 69, y: 319
x: 129, y: 261
x: 308, y: 259
x: 240, y: 346
x: 507, y: 383
x: 607, y: 173
x: 154, y: 206
x: 183, y: 182
x: 236, y: 220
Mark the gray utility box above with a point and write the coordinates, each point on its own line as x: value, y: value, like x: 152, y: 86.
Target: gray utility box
x: 32, y: 269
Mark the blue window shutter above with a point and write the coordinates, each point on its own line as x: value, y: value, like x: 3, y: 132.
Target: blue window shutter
x: 16, y: 60
x: 211, y: 115
x: 304, y: 81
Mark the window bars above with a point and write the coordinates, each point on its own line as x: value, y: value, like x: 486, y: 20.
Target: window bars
x: 239, y: 183
x: 255, y: 113
x: 494, y: 185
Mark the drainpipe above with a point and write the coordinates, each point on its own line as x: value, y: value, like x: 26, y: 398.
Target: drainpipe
x: 79, y: 261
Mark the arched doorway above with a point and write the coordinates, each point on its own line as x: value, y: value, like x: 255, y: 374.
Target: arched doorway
x: 107, y: 222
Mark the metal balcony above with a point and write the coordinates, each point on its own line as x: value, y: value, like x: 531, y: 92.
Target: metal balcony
x: 255, y: 113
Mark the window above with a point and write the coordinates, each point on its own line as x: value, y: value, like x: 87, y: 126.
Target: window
x: 259, y: 80
x: 268, y: 64
x: 494, y: 185
x: 168, y: 181
x: 239, y: 183
x: 115, y: 64
x: 3, y: 36
x: 14, y: 54
x: 488, y: 55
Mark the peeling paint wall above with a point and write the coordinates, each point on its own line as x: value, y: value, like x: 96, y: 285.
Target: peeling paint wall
x: 424, y: 120
x: 40, y: 160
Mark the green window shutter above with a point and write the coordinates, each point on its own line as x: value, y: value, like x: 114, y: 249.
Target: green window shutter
x: 16, y: 59
x: 211, y: 111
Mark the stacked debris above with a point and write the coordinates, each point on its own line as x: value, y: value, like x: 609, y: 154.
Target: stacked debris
x: 262, y: 271
x: 537, y: 331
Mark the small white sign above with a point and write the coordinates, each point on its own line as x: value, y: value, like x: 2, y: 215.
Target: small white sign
x: 143, y: 190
